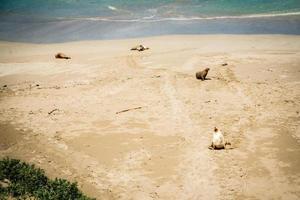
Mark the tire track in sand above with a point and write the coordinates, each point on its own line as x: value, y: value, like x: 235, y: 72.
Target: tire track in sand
x: 195, y: 170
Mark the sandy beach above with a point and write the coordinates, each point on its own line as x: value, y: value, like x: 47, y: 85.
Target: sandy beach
x: 64, y: 115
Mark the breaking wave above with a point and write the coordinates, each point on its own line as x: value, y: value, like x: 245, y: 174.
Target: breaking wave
x: 154, y: 19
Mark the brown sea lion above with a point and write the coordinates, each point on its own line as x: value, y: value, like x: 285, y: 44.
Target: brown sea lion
x: 139, y: 48
x: 202, y: 74
x: 62, y: 56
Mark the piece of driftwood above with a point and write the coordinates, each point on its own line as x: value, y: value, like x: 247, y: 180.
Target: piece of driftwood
x: 49, y: 113
x: 128, y: 110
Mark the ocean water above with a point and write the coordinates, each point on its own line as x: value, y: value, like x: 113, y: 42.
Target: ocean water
x: 44, y: 21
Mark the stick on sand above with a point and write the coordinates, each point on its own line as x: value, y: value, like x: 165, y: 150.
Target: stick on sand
x: 128, y: 110
x: 49, y: 113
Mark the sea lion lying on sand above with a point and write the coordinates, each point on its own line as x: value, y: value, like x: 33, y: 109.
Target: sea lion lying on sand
x: 202, y: 74
x: 218, y: 140
x: 139, y: 48
x: 62, y: 56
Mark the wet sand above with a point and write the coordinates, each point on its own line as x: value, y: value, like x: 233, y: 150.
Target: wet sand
x: 62, y: 115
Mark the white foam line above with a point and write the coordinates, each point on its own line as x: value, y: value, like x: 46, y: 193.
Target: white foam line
x: 187, y: 18
x: 111, y: 8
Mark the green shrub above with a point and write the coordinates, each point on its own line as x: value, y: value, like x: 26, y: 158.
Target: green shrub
x: 28, y: 181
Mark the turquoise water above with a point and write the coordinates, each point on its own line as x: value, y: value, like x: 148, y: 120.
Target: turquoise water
x: 142, y: 9
x: 64, y: 20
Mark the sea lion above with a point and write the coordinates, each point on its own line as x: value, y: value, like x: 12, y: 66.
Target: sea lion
x: 62, y: 56
x: 218, y: 140
x: 139, y: 48
x: 202, y: 74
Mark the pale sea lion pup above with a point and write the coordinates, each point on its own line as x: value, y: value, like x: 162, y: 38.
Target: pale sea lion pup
x: 202, y: 74
x: 218, y: 140
x: 62, y: 56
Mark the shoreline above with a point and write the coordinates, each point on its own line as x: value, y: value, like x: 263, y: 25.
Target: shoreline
x: 156, y: 37
x: 68, y: 114
x: 52, y: 32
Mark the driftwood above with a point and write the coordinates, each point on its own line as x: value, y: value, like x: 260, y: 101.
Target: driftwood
x: 49, y: 113
x: 128, y: 110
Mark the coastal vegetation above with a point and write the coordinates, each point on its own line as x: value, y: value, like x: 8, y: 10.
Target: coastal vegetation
x: 21, y: 180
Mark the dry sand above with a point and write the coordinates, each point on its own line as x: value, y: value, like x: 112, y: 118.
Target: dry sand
x: 160, y: 150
